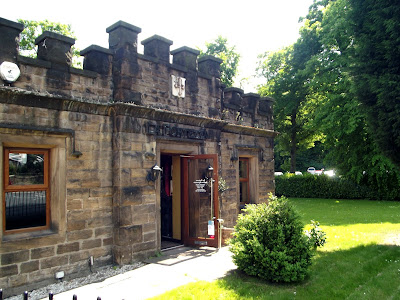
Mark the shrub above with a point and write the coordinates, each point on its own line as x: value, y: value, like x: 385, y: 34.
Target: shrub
x: 312, y: 186
x: 269, y: 242
x: 316, y: 235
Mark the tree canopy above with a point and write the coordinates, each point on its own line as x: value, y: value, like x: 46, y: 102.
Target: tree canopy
x: 344, y: 66
x: 376, y: 69
x: 230, y: 58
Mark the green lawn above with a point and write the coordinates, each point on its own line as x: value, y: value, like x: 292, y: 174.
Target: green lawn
x: 360, y: 260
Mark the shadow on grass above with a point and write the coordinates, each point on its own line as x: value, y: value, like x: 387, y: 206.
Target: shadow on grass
x: 369, y: 272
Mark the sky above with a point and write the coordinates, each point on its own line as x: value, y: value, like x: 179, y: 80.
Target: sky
x: 252, y: 26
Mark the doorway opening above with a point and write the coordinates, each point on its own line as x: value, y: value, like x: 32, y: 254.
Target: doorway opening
x: 171, y: 202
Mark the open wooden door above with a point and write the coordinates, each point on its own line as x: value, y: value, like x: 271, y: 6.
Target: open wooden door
x: 200, y: 200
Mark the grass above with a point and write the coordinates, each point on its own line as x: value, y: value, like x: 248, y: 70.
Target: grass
x: 360, y: 260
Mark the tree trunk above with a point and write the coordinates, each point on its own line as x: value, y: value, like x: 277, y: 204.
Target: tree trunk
x: 293, y: 143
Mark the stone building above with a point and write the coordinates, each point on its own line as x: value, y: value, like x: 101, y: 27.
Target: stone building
x: 110, y: 161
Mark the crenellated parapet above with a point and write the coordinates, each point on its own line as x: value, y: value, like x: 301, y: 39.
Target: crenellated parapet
x: 177, y: 80
x: 247, y: 109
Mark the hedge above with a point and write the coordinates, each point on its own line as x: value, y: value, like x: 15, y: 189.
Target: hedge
x: 313, y: 186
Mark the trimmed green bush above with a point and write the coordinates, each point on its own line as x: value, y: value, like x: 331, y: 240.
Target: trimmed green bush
x: 269, y: 242
x: 312, y: 186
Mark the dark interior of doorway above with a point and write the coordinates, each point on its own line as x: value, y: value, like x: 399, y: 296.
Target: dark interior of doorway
x: 167, y: 240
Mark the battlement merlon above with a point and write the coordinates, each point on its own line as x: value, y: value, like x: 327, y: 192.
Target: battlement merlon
x: 55, y: 48
x: 123, y: 34
x: 157, y: 47
x: 116, y: 73
x: 9, y: 33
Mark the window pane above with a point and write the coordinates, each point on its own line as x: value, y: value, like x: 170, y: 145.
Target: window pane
x: 26, y: 169
x: 243, y: 167
x: 244, y: 192
x: 25, y: 209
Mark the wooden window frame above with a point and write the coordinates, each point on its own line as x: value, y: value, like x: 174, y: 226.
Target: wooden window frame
x: 23, y: 188
x: 246, y: 179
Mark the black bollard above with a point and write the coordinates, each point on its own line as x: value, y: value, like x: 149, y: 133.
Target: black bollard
x: 51, y: 296
x: 98, y: 298
x: 74, y: 297
x: 1, y: 294
x: 25, y: 295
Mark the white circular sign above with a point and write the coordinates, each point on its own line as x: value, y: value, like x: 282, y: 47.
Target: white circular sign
x: 9, y: 71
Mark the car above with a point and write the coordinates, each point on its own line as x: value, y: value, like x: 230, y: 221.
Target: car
x: 313, y: 171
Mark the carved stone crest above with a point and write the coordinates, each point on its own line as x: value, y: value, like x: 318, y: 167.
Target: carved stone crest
x: 178, y: 86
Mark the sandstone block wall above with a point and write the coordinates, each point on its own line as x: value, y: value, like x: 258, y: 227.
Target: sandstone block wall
x: 104, y: 126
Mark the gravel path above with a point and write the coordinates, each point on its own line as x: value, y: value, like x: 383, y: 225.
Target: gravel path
x: 99, y: 275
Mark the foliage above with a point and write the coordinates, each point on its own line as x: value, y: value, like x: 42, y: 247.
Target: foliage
x: 376, y: 69
x: 33, y: 29
x: 288, y: 83
x: 312, y: 186
x: 316, y: 235
x: 230, y: 58
x: 269, y: 242
x: 351, y: 126
x: 339, y: 114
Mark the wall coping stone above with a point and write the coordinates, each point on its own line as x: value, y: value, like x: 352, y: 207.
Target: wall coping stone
x: 233, y: 89
x: 34, y: 61
x: 95, y: 48
x: 187, y: 49
x: 270, y: 99
x: 157, y: 37
x: 125, y: 25
x: 86, y: 73
x: 251, y: 95
x: 8, y: 23
x: 56, y: 36
x: 210, y: 57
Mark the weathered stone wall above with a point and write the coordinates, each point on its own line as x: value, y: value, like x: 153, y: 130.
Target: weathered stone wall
x: 259, y: 150
x: 104, y: 125
x: 85, y: 227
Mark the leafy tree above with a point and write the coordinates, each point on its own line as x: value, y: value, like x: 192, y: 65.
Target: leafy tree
x: 339, y: 115
x: 230, y: 58
x: 376, y: 69
x: 288, y: 84
x: 33, y: 29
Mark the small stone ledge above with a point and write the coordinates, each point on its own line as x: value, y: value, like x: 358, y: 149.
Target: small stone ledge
x: 96, y: 48
x: 157, y: 37
x: 125, y: 25
x: 210, y: 57
x: 34, y: 61
x: 81, y: 72
x: 56, y: 36
x: 8, y: 23
x: 152, y: 59
x: 179, y: 68
x: 186, y: 49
